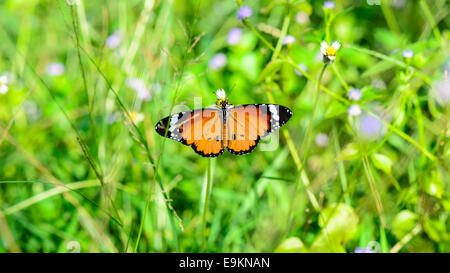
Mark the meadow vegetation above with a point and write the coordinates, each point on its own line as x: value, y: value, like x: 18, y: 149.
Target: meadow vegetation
x: 362, y: 166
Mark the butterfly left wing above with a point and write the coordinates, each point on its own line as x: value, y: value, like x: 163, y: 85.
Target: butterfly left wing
x: 201, y: 129
x: 246, y: 124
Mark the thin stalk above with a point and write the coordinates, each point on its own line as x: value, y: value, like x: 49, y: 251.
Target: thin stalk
x: 416, y: 230
x: 342, y: 176
x: 419, y: 119
x: 205, y: 204
x: 316, y: 102
x: 399, y: 63
x: 375, y: 193
x: 406, y: 137
x: 282, y: 35
x: 340, y: 78
x: 250, y: 26
x: 80, y: 62
x: 389, y: 16
x: 306, y: 149
x: 426, y: 10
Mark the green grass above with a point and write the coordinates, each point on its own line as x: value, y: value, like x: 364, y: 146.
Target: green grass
x: 78, y: 170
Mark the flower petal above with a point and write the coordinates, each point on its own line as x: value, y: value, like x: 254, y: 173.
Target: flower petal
x: 3, y: 79
x: 3, y: 89
x: 336, y: 45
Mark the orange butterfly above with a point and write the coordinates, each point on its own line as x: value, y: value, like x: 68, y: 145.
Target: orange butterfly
x: 238, y: 128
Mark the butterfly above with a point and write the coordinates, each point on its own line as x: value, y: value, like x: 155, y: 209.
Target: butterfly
x: 210, y: 130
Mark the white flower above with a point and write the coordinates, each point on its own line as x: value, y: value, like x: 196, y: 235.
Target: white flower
x: 288, y: 40
x: 408, y: 54
x: 113, y: 41
x: 322, y: 140
x: 3, y: 84
x: 354, y: 110
x: 329, y: 51
x: 136, y: 117
x: 55, y: 69
x: 220, y: 93
x: 73, y: 2
x: 139, y: 86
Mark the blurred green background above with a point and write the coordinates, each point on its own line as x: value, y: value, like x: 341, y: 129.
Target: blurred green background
x: 82, y: 84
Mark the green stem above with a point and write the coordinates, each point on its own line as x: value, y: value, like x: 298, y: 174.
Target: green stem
x: 286, y: 22
x: 431, y: 21
x: 340, y: 78
x: 205, y: 204
x: 421, y: 75
x: 306, y: 149
x: 375, y: 193
x: 389, y: 16
x: 316, y: 102
x: 250, y: 26
x: 341, y: 168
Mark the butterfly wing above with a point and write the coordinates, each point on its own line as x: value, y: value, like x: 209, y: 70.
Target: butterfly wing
x: 201, y: 129
x: 246, y: 124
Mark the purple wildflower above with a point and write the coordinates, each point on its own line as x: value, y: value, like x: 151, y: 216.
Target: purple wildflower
x: 442, y: 89
x: 370, y: 126
x: 328, y: 5
x: 354, y: 94
x: 138, y: 85
x: 363, y: 250
x: 234, y: 36
x: 113, y: 41
x: 218, y: 61
x: 354, y: 110
x: 244, y: 12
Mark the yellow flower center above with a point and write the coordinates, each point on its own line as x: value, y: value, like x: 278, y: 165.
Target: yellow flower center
x: 220, y: 101
x: 134, y: 116
x: 331, y: 51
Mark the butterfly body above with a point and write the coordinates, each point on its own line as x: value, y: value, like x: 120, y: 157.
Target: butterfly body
x: 210, y: 131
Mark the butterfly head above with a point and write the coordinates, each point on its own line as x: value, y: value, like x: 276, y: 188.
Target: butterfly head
x: 222, y: 100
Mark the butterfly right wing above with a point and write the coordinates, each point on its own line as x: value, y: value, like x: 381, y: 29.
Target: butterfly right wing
x: 201, y: 129
x: 247, y: 124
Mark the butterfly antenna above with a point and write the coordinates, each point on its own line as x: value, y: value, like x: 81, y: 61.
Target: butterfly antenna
x: 232, y: 89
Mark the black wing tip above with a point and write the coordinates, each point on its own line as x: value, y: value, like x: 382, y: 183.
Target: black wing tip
x: 161, y: 126
x: 285, y: 114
